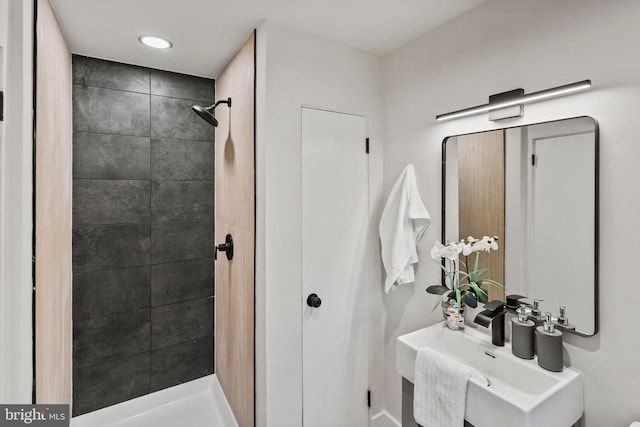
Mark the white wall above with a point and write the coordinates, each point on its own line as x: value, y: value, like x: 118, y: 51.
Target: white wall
x: 15, y: 204
x: 502, y: 45
x: 295, y: 69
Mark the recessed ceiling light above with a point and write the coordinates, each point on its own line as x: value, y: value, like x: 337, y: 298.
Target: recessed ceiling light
x: 155, y: 42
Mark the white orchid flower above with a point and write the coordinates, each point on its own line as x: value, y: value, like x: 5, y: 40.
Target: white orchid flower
x: 487, y: 244
x: 467, y: 248
x: 449, y: 251
x: 494, y: 243
x: 436, y: 251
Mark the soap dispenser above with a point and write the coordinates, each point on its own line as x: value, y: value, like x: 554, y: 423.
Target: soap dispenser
x: 562, y: 319
x: 523, y: 334
x: 549, y: 345
x: 536, y: 313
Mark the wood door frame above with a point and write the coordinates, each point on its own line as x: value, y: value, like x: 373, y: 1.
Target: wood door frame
x: 232, y: 83
x: 52, y: 174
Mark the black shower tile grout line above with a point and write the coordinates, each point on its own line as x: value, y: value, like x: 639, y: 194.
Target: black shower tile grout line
x: 184, y: 342
x: 145, y: 93
x: 142, y: 136
x: 115, y: 359
x: 207, y: 101
x: 149, y: 307
x: 181, y: 139
x: 144, y: 265
x: 109, y: 224
x: 144, y: 179
x: 182, y: 301
x: 112, y: 134
x: 150, y: 231
x: 182, y: 261
x: 118, y: 179
x: 113, y: 89
x: 115, y: 314
x: 106, y: 224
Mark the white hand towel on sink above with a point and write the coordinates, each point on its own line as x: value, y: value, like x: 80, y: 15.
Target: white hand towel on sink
x: 403, y: 222
x: 440, y: 390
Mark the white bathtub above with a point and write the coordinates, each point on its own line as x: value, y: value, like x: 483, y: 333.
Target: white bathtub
x: 198, y: 403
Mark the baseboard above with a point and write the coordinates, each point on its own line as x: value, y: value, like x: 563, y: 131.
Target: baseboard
x: 383, y: 419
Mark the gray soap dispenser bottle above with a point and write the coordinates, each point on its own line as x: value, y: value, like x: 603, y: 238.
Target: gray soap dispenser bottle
x: 549, y: 345
x: 522, y: 335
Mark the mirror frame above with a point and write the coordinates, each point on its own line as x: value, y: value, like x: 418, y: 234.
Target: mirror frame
x: 596, y: 230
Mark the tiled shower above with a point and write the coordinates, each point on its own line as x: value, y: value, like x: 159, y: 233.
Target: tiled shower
x: 142, y: 232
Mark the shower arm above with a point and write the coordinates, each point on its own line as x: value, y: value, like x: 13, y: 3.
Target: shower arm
x: 222, y: 101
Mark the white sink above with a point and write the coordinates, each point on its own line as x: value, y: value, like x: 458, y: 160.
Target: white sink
x: 520, y: 393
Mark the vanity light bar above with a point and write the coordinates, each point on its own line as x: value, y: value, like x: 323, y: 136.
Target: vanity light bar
x: 523, y: 99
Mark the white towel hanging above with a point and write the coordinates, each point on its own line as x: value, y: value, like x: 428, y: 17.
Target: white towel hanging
x: 404, y: 221
x: 439, y: 397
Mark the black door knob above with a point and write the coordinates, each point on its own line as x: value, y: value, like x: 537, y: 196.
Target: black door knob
x: 314, y: 301
x: 227, y: 247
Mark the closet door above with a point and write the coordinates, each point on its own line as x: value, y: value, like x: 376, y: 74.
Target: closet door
x: 334, y: 268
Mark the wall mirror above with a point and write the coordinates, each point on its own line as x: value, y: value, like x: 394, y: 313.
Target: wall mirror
x: 536, y: 187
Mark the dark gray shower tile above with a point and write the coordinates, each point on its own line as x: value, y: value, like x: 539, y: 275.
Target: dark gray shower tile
x: 111, y: 75
x: 181, y: 322
x: 173, y: 118
x: 181, y: 241
x: 110, y: 111
x: 110, y: 202
x: 181, y: 200
x: 174, y: 159
x: 182, y: 86
x: 180, y: 363
x: 181, y: 281
x: 103, y: 156
x: 109, y: 292
x: 106, y: 384
x: 105, y: 247
x: 110, y: 337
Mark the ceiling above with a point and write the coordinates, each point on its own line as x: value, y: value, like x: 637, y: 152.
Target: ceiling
x: 206, y: 33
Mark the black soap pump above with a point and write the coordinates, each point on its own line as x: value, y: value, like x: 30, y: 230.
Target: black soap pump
x: 549, y: 345
x: 523, y: 334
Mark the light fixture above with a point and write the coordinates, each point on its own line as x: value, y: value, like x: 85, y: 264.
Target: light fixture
x: 155, y: 42
x: 515, y: 97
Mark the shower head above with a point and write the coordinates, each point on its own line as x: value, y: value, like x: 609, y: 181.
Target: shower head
x: 207, y: 112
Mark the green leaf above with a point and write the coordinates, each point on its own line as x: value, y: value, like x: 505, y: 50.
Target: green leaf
x: 464, y: 275
x: 477, y: 289
x: 439, y: 301
x: 437, y: 289
x: 470, y: 300
x: 491, y: 283
x: 476, y: 275
x: 483, y: 298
